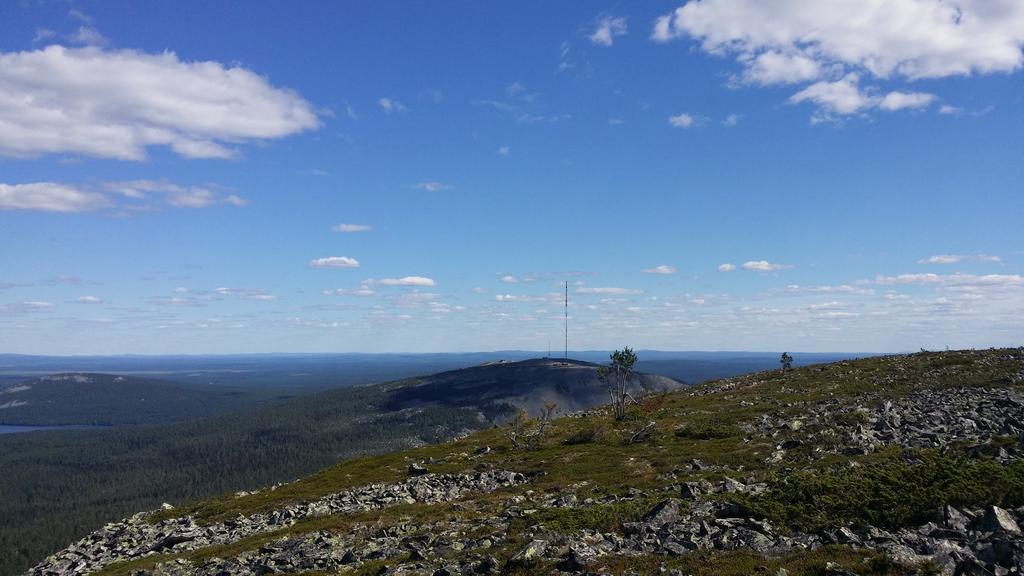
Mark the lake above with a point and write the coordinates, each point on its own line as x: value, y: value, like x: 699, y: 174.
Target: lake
x: 14, y: 429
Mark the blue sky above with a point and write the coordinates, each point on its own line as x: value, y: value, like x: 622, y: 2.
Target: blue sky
x: 187, y: 177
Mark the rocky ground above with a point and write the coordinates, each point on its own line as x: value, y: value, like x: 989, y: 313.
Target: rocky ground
x: 772, y: 426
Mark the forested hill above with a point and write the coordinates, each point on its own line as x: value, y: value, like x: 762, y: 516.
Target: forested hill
x: 57, y: 486
x: 106, y: 399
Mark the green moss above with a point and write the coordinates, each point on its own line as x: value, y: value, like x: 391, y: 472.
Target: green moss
x: 891, y: 489
x: 706, y: 431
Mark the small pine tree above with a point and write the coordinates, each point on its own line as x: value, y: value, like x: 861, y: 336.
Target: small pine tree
x: 617, y: 378
x: 786, y: 360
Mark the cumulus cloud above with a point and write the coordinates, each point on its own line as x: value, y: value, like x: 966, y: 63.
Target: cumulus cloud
x: 681, y: 121
x: 842, y: 96
x: 434, y: 186
x: 662, y: 269
x: 117, y: 103
x: 793, y: 42
x: 403, y: 281
x: 957, y: 258
x: 349, y: 228
x: 727, y: 267
x: 899, y: 100
x: 334, y: 262
x: 88, y: 300
x: 907, y: 38
x: 764, y: 266
x: 48, y: 197
x: 609, y: 291
x: 607, y: 29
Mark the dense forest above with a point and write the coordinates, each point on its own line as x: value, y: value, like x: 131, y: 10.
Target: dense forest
x: 113, y: 400
x: 58, y: 486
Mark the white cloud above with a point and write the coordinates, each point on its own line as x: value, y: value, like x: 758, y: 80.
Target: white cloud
x: 517, y: 298
x: 88, y: 300
x: 906, y: 38
x: 434, y: 186
x: 360, y: 291
x: 764, y: 266
x: 681, y: 120
x: 662, y: 269
x: 899, y: 100
x: 48, y: 197
x: 334, y: 262
x: 403, y: 281
x: 43, y: 34
x: 838, y: 289
x: 389, y: 105
x: 509, y: 279
x: 117, y: 103
x: 842, y: 96
x: 607, y: 29
x: 609, y: 291
x: 731, y: 120
x: 173, y: 194
x: 774, y: 67
x: 257, y: 294
x: 946, y: 109
x: 957, y: 258
x: 349, y: 228
x: 727, y: 267
x: 88, y: 36
x: 793, y: 42
x: 504, y: 150
x: 954, y: 280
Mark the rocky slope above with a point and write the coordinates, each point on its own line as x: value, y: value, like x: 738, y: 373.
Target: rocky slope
x: 895, y: 465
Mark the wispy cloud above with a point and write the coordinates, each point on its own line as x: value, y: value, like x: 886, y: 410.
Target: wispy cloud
x: 334, y: 262
x: 958, y: 258
x: 607, y: 29
x: 683, y: 120
x: 662, y: 269
x: 764, y: 266
x: 403, y: 281
x: 727, y: 267
x: 434, y: 186
x: 610, y: 291
x: 350, y: 228
x: 390, y: 105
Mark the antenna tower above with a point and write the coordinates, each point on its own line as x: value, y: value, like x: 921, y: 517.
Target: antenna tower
x: 566, y: 320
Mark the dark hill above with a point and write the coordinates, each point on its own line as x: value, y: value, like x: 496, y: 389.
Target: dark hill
x: 104, y: 399
x: 498, y: 387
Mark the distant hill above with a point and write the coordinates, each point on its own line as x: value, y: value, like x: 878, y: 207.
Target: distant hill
x: 105, y: 399
x: 498, y: 387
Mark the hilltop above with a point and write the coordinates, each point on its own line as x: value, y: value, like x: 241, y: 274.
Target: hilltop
x: 496, y: 387
x: 887, y: 465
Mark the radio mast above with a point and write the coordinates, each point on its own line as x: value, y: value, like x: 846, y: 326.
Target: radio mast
x: 566, y: 320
